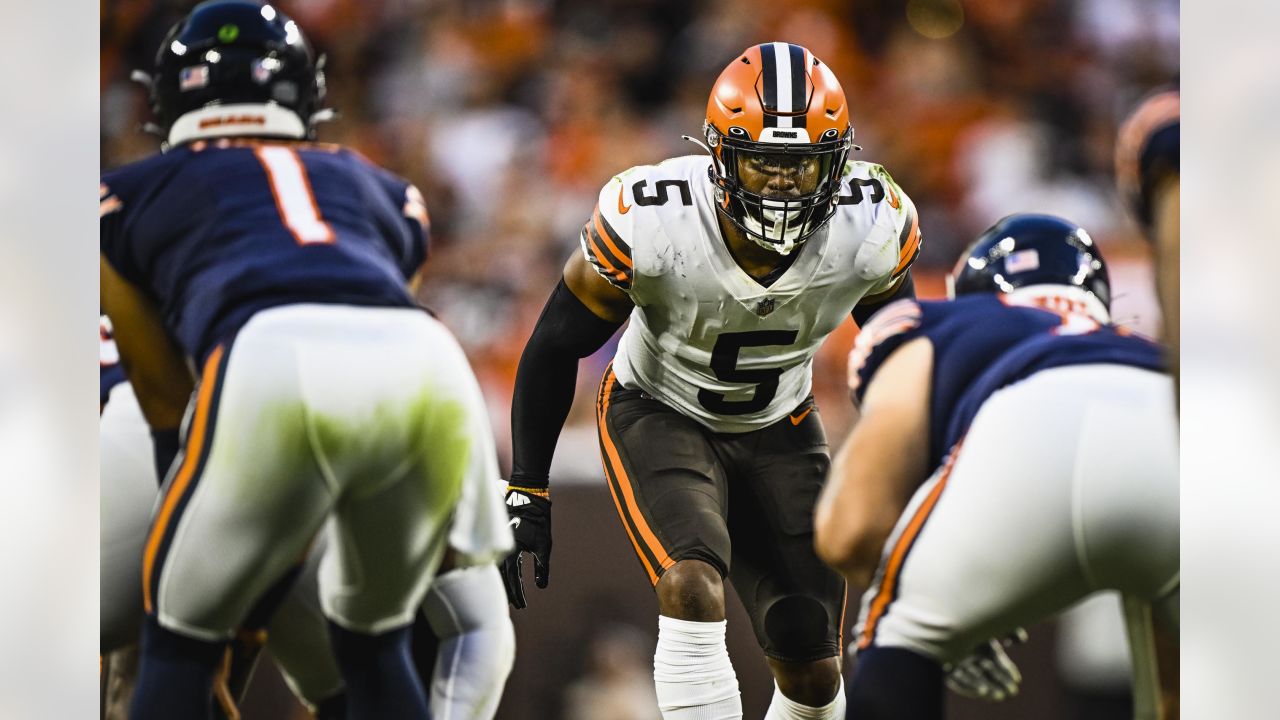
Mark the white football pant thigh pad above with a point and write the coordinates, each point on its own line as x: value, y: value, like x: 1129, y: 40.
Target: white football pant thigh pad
x: 1126, y: 484
x: 467, y: 610
x: 782, y: 707
x: 298, y: 636
x: 1010, y: 512
x: 365, y: 412
x: 390, y: 531
x: 479, y: 533
x: 692, y: 673
x: 129, y: 491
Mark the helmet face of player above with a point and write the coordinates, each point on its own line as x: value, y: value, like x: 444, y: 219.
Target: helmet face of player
x: 1027, y: 251
x: 235, y: 67
x: 778, y: 129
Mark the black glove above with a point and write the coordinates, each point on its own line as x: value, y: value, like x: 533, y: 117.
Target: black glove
x: 530, y: 512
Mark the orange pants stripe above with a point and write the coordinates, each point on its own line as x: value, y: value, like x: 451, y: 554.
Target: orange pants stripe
x: 889, y: 585
x: 193, y: 456
x: 647, y: 545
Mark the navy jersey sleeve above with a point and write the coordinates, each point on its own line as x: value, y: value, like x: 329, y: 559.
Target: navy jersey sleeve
x: 891, y: 327
x: 414, y: 217
x: 119, y: 191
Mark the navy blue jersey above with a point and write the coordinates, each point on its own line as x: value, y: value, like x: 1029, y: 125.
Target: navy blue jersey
x: 216, y: 231
x: 982, y: 343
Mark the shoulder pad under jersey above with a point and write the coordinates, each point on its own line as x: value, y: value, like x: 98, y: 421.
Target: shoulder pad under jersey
x: 632, y: 207
x: 871, y: 202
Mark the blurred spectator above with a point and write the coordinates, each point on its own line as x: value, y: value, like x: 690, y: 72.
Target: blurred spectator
x: 618, y: 684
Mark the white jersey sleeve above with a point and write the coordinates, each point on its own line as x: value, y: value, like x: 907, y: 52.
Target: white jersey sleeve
x: 602, y: 237
x: 893, y: 241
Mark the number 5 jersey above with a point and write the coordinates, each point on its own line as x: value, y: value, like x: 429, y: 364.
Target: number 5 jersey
x: 705, y: 337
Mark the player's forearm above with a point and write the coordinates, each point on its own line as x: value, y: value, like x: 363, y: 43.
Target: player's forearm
x: 849, y: 536
x: 541, y: 402
x: 545, y: 381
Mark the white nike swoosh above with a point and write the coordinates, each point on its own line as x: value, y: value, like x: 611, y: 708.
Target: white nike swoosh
x: 515, y: 523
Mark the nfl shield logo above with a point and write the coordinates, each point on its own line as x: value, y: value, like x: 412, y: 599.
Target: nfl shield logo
x: 764, y: 307
x: 260, y: 71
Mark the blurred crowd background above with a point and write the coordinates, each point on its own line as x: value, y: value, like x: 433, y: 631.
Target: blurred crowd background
x: 510, y: 115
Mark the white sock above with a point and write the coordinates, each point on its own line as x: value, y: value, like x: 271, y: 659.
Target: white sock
x: 784, y: 708
x: 692, y: 672
x: 467, y: 610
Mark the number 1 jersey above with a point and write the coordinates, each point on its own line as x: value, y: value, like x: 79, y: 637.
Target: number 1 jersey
x: 705, y: 337
x: 215, y: 231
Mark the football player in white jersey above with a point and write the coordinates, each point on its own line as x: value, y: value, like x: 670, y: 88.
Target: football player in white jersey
x: 732, y: 268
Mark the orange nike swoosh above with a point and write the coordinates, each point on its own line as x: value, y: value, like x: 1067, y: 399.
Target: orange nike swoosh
x: 622, y: 208
x: 894, y: 202
x: 795, y: 420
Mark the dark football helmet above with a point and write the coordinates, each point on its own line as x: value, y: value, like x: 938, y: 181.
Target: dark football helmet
x: 236, y: 67
x: 1024, y: 250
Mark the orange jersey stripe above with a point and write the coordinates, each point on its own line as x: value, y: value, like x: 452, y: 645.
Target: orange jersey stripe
x: 624, y: 482
x: 599, y: 256
x: 624, y: 258
x: 190, y: 461
x: 899, y: 555
x: 908, y: 252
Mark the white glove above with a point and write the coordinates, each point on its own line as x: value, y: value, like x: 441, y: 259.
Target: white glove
x: 988, y: 674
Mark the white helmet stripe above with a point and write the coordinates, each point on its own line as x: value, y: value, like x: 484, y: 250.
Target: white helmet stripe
x: 782, y: 61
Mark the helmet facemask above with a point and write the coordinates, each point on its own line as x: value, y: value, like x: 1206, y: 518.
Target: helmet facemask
x: 781, y: 189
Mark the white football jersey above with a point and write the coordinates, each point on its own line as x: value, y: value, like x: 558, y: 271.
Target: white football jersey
x: 705, y: 337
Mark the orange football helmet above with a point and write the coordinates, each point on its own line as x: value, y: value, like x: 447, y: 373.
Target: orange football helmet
x: 780, y: 105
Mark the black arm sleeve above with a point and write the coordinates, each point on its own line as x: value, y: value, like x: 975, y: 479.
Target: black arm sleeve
x: 566, y: 331
x: 862, y: 312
